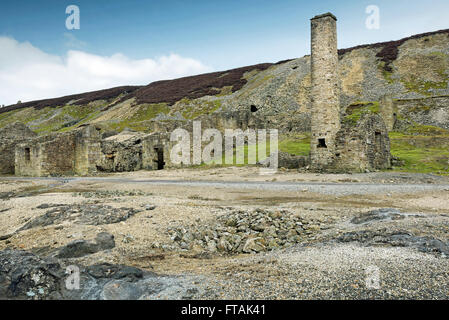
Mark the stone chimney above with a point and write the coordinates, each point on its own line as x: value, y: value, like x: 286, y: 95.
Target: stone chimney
x: 325, y: 93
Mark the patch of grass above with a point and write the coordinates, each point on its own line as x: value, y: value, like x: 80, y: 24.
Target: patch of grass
x: 150, y: 111
x: 420, y: 154
x: 426, y: 130
x: 195, y: 109
x: 424, y: 87
x: 297, y: 145
x: 357, y: 109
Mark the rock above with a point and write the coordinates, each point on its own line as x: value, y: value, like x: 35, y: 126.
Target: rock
x: 224, y: 246
x: 87, y: 214
x: 226, y: 233
x: 212, y: 246
x: 253, y: 245
x: 150, y: 207
x: 80, y: 248
x: 376, y: 215
x: 397, y: 239
x: 25, y: 276
x: 128, y: 238
x: 121, y: 290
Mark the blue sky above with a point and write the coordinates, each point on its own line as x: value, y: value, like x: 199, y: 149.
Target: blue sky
x: 217, y: 34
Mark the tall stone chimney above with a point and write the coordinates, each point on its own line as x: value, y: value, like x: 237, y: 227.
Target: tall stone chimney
x: 325, y: 93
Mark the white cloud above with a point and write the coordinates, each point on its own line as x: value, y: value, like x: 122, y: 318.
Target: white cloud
x: 27, y: 73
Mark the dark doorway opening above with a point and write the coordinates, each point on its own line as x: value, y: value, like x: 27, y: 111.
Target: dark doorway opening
x: 27, y: 154
x: 322, y: 143
x: 159, y: 158
x: 378, y: 137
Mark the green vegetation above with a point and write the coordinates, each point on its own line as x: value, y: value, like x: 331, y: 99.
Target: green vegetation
x: 386, y: 74
x: 149, y: 111
x: 295, y: 144
x: 424, y: 87
x: 418, y: 129
x: 420, y: 153
x: 357, y: 109
x: 194, y: 109
x: 298, y: 144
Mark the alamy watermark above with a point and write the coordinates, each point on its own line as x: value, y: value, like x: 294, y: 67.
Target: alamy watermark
x: 72, y: 282
x: 73, y: 21
x: 372, y: 22
x: 186, y: 153
x: 372, y: 277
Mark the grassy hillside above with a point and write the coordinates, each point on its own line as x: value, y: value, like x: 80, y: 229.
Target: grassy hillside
x: 416, y: 67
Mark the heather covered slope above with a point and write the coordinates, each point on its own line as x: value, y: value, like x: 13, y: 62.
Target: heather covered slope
x: 414, y: 67
x: 414, y: 71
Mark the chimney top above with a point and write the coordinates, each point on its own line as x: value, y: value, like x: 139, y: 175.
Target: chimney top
x: 325, y: 15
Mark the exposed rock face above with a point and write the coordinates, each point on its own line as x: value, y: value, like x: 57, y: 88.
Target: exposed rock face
x: 25, y: 276
x: 426, y: 111
x: 80, y: 248
x: 88, y: 214
x: 398, y: 239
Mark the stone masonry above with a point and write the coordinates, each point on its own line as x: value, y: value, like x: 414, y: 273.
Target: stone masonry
x: 10, y: 137
x: 325, y: 93
x: 336, y: 146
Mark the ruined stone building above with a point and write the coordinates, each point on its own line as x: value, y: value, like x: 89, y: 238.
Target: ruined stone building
x: 85, y: 151
x: 336, y: 144
x: 10, y: 137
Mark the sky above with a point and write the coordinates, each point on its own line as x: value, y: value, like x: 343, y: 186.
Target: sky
x: 136, y: 42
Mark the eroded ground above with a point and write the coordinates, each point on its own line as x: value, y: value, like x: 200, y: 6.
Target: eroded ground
x: 231, y: 233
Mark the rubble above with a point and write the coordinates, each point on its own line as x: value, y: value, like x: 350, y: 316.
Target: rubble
x: 243, y: 232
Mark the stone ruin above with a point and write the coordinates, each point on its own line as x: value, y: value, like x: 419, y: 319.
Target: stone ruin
x: 86, y: 151
x: 10, y: 136
x: 336, y: 145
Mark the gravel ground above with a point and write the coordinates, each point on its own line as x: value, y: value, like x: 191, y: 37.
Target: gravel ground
x: 342, y: 243
x: 337, y: 271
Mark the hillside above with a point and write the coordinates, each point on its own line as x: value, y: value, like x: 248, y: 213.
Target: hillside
x: 414, y: 71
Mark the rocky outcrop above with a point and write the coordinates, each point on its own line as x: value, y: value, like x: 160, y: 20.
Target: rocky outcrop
x: 26, y: 276
x: 80, y: 248
x: 88, y: 214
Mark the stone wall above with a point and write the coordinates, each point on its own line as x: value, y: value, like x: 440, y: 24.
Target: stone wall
x: 325, y: 92
x: 10, y: 136
x: 58, y: 154
x: 388, y: 112
x: 364, y: 147
x: 156, y: 150
x: 121, y: 153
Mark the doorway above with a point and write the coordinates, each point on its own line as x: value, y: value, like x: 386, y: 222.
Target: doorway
x: 159, y: 160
